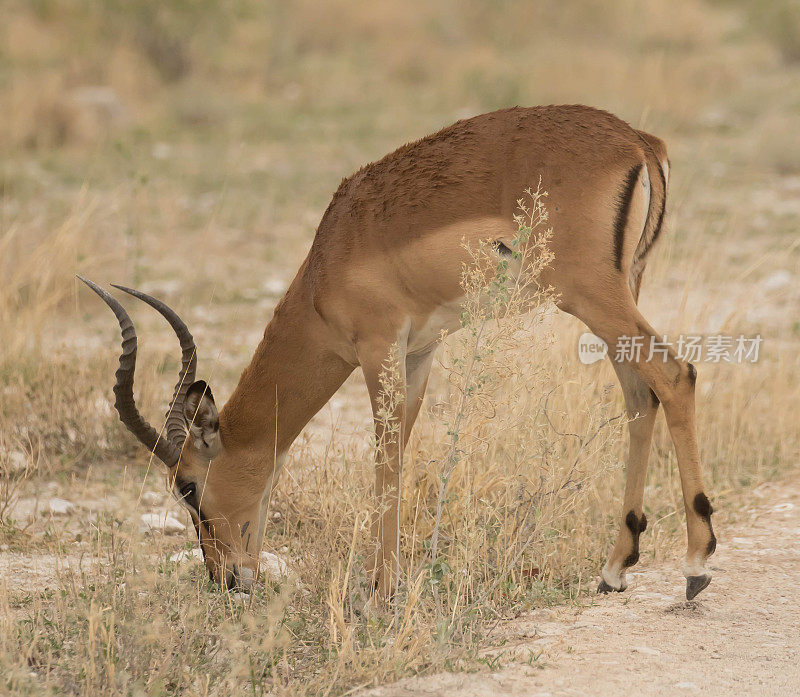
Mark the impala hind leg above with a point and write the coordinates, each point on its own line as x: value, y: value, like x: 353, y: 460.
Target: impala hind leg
x: 673, y: 381
x: 641, y: 405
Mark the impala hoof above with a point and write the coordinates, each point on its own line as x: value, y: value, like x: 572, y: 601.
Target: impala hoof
x: 605, y: 588
x: 695, y: 584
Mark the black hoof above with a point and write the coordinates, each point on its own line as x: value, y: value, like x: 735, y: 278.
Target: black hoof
x: 605, y: 588
x: 694, y: 584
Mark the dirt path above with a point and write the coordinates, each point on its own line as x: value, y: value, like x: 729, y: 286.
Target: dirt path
x: 741, y: 637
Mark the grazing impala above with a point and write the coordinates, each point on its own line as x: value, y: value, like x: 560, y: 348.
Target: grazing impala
x: 385, y: 269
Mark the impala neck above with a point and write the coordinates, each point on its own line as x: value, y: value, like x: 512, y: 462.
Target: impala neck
x: 292, y: 375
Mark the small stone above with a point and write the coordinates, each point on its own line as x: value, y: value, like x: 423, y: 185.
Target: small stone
x: 276, y: 516
x: 60, y: 507
x: 777, y: 280
x: 151, y: 498
x: 18, y: 462
x: 647, y: 650
x: 781, y: 507
x: 184, y: 555
x: 162, y: 522
x: 274, y: 566
x: 244, y: 597
x: 686, y: 686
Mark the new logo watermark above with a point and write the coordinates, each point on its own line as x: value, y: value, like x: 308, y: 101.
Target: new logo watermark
x: 591, y: 348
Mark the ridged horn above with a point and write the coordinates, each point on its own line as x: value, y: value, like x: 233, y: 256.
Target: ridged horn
x: 164, y: 449
x: 176, y: 425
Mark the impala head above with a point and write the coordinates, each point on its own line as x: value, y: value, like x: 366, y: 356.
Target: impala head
x: 206, y: 477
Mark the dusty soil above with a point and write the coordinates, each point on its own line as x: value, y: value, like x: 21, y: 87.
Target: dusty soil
x: 740, y: 637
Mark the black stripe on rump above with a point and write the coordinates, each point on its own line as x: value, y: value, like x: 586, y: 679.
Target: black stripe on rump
x: 625, y: 198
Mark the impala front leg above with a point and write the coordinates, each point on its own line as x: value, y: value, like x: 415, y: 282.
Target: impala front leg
x: 385, y: 380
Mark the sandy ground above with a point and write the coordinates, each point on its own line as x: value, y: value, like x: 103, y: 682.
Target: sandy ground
x: 740, y: 637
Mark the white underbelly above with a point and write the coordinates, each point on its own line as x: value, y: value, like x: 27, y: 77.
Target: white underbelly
x: 442, y: 321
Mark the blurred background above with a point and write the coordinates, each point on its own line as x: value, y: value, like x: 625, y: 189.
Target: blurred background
x: 225, y: 126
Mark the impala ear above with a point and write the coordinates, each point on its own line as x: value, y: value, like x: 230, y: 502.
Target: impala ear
x: 202, y: 420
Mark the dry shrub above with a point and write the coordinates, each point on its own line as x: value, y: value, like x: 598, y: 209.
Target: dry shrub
x: 506, y: 484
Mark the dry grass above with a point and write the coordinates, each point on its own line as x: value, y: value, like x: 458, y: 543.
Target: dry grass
x: 153, y: 152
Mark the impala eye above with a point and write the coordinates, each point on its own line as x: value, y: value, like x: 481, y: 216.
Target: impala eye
x: 189, y: 494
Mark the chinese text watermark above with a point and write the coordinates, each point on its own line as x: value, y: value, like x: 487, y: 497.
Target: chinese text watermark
x: 692, y: 348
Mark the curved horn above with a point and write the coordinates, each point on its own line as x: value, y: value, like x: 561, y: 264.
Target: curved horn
x: 176, y: 428
x: 125, y: 403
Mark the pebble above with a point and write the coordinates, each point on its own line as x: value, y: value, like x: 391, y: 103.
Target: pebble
x: 777, y: 280
x: 162, y: 522
x: 60, y: 507
x: 151, y: 498
x: 18, y: 462
x: 274, y: 566
x: 184, y: 554
x: 686, y: 686
x: 647, y: 650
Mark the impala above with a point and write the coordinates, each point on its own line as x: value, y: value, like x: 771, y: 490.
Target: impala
x: 384, y: 271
